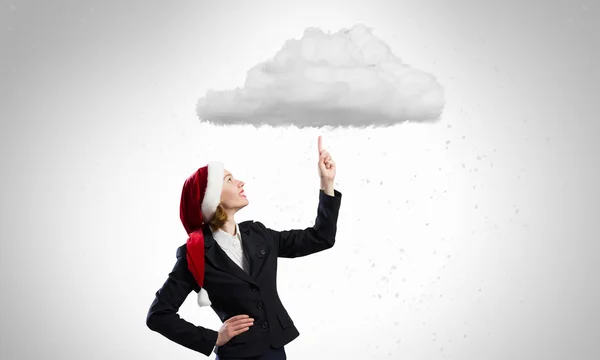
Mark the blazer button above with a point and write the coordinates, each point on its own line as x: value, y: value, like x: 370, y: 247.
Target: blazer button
x: 253, y: 288
x: 262, y: 251
x: 260, y: 306
x: 265, y: 325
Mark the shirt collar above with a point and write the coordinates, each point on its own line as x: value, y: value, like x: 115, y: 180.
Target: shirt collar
x: 224, y: 239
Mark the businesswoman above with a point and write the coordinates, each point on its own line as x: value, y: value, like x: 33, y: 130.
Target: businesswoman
x: 233, y: 267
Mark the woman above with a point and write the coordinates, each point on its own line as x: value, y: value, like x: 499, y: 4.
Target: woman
x: 237, y: 264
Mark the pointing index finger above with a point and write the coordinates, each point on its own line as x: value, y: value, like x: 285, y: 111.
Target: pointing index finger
x: 320, y: 144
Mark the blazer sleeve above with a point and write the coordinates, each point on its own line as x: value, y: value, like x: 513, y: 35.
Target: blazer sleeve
x: 163, y: 317
x: 321, y: 236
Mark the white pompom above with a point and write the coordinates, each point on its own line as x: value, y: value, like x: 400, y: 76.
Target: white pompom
x: 203, y: 299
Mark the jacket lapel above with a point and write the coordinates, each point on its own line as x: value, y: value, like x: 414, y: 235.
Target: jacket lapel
x: 220, y: 260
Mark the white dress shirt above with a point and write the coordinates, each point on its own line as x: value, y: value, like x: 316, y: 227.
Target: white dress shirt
x: 232, y: 245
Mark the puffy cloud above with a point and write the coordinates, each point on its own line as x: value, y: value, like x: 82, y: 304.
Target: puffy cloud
x: 350, y: 78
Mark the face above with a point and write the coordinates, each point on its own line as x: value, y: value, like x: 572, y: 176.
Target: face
x: 232, y: 196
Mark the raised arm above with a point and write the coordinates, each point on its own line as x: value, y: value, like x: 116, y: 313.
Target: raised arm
x: 321, y: 236
x: 164, y: 319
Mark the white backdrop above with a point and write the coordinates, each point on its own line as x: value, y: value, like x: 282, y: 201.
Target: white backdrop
x: 470, y: 238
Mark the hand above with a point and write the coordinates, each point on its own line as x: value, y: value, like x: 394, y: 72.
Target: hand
x: 326, y: 164
x: 232, y: 327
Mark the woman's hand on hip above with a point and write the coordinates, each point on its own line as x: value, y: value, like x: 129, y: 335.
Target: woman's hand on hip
x: 232, y: 327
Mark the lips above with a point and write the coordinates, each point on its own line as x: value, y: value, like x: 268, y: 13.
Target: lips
x: 241, y: 194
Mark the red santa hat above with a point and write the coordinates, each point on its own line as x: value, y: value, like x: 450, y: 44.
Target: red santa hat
x: 200, y: 198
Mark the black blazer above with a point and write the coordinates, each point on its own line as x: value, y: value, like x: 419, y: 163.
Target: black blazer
x: 232, y: 291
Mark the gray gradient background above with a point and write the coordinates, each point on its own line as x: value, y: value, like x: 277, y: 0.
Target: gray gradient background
x: 472, y: 238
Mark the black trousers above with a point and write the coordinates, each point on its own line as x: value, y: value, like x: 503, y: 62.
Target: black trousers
x: 271, y: 354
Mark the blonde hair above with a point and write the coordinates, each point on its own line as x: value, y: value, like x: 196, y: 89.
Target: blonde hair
x: 219, y: 219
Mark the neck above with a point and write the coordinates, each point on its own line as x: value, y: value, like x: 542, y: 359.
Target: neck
x: 229, y: 226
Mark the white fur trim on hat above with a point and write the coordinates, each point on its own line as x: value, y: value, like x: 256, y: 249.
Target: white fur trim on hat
x: 214, y: 186
x: 203, y: 299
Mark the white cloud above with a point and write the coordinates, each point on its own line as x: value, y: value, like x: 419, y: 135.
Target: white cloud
x: 350, y: 78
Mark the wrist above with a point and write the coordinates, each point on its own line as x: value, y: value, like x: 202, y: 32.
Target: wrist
x: 327, y: 187
x: 326, y: 183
